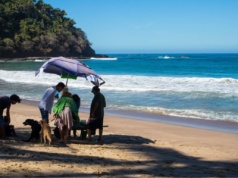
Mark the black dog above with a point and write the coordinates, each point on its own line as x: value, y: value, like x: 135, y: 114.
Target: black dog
x: 35, y: 129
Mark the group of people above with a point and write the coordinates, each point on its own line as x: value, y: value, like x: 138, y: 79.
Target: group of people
x: 65, y: 110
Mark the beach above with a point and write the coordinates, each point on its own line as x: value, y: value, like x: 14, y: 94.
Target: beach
x: 130, y: 148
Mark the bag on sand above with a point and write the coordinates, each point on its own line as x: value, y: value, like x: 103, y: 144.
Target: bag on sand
x: 9, y: 130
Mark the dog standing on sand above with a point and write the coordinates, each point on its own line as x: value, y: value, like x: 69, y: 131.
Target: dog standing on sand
x: 45, y: 132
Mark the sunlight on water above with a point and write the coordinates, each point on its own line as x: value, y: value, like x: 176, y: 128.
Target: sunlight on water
x: 180, y: 85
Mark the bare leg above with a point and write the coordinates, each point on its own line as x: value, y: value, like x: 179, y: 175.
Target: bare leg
x: 100, y: 135
x: 66, y: 132
x: 89, y: 134
x: 69, y: 135
x: 61, y: 134
x: 74, y: 131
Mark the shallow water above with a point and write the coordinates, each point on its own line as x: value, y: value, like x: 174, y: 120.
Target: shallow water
x: 184, y: 85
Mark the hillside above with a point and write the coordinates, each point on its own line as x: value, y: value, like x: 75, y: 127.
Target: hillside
x: 32, y: 28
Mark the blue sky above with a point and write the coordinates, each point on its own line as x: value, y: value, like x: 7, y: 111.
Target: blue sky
x: 156, y: 26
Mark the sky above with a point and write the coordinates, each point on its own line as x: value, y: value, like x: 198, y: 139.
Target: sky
x: 156, y: 26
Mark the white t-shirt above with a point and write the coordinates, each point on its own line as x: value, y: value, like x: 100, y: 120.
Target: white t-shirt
x: 47, y: 100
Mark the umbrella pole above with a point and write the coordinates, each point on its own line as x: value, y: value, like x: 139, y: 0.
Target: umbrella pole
x: 66, y: 81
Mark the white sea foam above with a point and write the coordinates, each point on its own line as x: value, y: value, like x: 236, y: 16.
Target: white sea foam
x: 130, y: 92
x: 133, y: 83
x: 173, y: 57
x: 165, y: 57
x: 103, y: 58
x: 191, y: 113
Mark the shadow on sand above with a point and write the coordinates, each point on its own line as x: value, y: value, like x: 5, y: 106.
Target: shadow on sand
x: 161, y: 161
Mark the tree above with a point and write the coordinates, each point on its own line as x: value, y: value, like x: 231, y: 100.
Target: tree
x: 33, y: 28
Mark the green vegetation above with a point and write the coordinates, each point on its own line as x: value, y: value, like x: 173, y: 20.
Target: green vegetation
x: 33, y: 28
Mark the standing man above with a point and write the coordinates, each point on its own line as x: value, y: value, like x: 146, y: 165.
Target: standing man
x: 47, y: 100
x: 5, y: 103
x: 96, y: 113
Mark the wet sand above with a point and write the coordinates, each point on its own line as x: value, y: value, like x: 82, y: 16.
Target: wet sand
x: 130, y: 148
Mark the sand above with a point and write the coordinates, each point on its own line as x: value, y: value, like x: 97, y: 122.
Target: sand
x: 130, y: 148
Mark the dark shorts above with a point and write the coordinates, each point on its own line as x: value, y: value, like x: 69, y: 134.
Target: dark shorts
x: 2, y: 122
x: 44, y: 114
x: 95, y: 124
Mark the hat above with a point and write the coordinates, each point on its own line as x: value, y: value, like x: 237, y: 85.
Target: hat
x: 95, y: 88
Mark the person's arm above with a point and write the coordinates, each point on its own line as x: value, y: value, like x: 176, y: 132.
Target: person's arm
x: 58, y: 107
x: 96, y: 83
x: 104, y: 102
x: 8, y: 115
x: 47, y: 97
x: 102, y: 83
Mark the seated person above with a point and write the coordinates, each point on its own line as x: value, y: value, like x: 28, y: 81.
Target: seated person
x: 65, y: 112
x: 77, y: 101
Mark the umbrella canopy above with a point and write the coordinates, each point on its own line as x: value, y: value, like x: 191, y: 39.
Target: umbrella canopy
x: 68, y: 68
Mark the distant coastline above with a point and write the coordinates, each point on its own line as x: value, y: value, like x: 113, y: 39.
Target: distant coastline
x: 33, y: 58
x: 16, y: 59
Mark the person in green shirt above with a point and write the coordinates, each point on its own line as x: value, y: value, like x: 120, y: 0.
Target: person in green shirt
x: 65, y: 114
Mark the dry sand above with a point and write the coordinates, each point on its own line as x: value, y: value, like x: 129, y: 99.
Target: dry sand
x: 131, y: 148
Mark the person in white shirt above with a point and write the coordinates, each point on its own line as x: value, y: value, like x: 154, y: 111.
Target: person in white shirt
x: 47, y: 100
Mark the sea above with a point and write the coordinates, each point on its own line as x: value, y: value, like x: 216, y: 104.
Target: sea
x: 193, y: 87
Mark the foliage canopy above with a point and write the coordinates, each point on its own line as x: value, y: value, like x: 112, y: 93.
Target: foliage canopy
x: 33, y: 28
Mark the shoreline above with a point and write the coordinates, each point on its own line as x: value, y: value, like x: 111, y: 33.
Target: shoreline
x: 33, y: 58
x: 18, y: 59
x: 213, y: 125
x: 130, y: 148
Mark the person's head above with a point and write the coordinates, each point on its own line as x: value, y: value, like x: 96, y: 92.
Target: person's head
x: 60, y: 86
x: 66, y: 93
x: 76, y: 98
x: 95, y: 89
x: 66, y: 89
x: 15, y: 99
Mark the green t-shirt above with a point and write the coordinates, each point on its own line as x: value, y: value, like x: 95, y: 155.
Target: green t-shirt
x: 66, y: 102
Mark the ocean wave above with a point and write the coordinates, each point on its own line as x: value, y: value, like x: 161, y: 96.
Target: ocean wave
x: 132, y: 83
x: 165, y: 57
x: 187, y: 113
x: 192, y: 97
x: 173, y: 57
